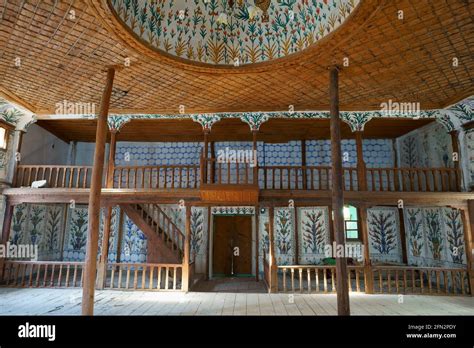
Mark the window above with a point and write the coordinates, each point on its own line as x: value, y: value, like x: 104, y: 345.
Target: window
x: 5, y: 129
x: 350, y: 223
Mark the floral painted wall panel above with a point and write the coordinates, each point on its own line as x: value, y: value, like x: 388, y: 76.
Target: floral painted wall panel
x: 284, y: 222
x: 384, y: 234
x: 456, y: 248
x: 114, y: 226
x: 50, y: 246
x: 134, y: 243
x: 313, y: 234
x: 435, y: 237
x: 429, y: 146
x: 415, y: 236
x: 18, y: 225
x: 76, y: 233
x: 199, y: 237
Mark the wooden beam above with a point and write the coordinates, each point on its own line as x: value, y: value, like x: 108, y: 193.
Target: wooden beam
x: 90, y: 264
x: 361, y: 172
x: 186, y: 251
x: 213, y: 164
x: 343, y: 307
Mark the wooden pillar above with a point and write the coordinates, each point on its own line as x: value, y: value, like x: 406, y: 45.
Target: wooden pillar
x: 104, y: 255
x: 396, y: 179
x: 102, y: 268
x: 254, y: 153
x: 119, y: 237
x: 6, y: 227
x: 403, y: 239
x: 468, y: 224
x: 90, y: 264
x: 257, y: 238
x: 297, y: 237
x: 186, y: 251
x: 205, y: 156
x: 213, y: 164
x: 361, y: 172
x: 303, y: 164
x: 343, y: 307
x: 455, y: 144
x: 271, y: 249
x: 368, y: 276
x: 17, y: 163
x: 111, y: 161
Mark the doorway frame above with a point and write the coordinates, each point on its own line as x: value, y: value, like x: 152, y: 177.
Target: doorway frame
x: 212, y: 234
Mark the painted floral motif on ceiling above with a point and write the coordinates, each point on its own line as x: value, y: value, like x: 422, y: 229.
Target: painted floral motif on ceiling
x: 232, y: 32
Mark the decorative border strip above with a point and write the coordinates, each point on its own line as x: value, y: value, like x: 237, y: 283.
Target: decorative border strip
x: 233, y: 210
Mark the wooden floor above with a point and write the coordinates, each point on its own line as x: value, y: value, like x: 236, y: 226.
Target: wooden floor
x: 109, y: 302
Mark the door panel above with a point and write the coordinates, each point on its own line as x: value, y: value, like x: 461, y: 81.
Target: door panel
x: 231, y: 232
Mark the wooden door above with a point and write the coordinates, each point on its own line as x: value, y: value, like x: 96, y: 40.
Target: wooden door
x: 231, y: 232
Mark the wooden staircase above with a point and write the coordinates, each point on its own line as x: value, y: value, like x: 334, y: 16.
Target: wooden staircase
x: 165, y: 239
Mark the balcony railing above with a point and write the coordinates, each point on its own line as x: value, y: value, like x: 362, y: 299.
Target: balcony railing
x: 212, y: 172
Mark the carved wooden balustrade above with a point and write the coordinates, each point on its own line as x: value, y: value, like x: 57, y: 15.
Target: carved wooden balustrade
x: 211, y: 171
x: 42, y: 274
x: 57, y: 176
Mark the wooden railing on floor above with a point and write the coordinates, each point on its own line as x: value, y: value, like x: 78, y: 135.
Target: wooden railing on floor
x: 154, y: 177
x: 55, y: 176
x: 144, y: 276
x: 420, y: 280
x: 414, y: 179
x: 42, y: 274
x: 226, y: 173
x: 164, y: 227
x: 317, y: 279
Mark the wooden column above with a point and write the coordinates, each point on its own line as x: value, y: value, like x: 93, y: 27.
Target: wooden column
x: 468, y: 224
x: 343, y: 307
x: 111, y: 160
x: 104, y: 255
x: 102, y: 268
x: 205, y: 156
x: 271, y: 249
x: 119, y: 236
x: 90, y: 264
x: 368, y: 276
x: 403, y: 239
x: 254, y: 153
x: 303, y: 164
x: 396, y: 179
x: 6, y: 227
x: 257, y: 238
x: 361, y: 172
x: 213, y: 164
x: 455, y: 144
x: 187, y: 248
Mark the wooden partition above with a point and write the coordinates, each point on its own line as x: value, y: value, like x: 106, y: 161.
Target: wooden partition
x: 42, y: 274
x: 144, y: 276
x: 317, y: 279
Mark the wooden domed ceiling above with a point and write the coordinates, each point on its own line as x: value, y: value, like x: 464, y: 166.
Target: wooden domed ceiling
x: 231, y: 32
x: 56, y: 50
